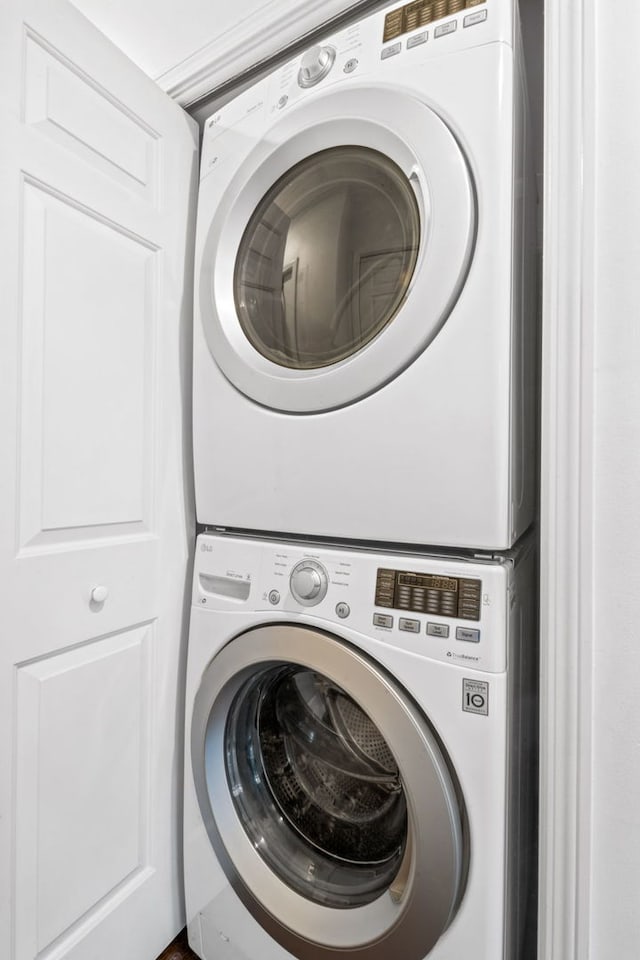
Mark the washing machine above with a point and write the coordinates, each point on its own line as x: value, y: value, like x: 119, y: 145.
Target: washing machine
x: 365, y: 321
x: 360, y: 754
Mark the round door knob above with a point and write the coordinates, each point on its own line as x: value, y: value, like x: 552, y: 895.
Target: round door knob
x: 309, y: 582
x: 315, y: 65
x: 99, y: 594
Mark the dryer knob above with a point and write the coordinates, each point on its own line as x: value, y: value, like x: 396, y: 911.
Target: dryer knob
x: 309, y: 583
x: 315, y: 65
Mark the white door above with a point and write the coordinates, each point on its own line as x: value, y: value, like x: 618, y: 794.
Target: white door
x: 97, y: 170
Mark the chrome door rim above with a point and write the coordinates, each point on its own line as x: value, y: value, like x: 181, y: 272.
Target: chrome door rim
x: 421, y: 902
x: 421, y: 144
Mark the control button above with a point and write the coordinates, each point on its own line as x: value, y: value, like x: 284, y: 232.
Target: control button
x: 465, y: 633
x: 391, y: 51
x: 411, y: 626
x: 309, y: 582
x: 382, y: 620
x: 350, y: 65
x: 445, y: 28
x: 416, y: 41
x: 438, y: 629
x: 472, y: 18
x: 274, y: 597
x: 315, y: 65
x: 343, y: 610
x: 283, y: 101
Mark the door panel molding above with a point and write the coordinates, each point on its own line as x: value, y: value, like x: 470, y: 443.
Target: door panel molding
x: 96, y: 519
x: 83, y: 727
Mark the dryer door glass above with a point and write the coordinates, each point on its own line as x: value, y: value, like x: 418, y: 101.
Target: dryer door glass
x: 316, y: 786
x: 326, y: 259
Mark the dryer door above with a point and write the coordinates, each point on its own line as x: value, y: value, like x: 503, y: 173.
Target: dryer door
x: 327, y: 797
x: 337, y: 249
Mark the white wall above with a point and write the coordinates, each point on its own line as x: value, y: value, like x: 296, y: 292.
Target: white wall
x: 194, y: 46
x: 615, y: 874
x: 159, y: 35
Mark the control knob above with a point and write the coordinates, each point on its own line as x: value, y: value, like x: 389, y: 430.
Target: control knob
x: 315, y: 65
x: 309, y: 581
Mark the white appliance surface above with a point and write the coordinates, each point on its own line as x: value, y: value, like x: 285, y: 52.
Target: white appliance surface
x: 364, y: 371
x: 456, y: 698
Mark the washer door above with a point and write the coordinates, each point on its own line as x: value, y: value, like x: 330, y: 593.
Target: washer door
x: 327, y: 797
x: 337, y: 249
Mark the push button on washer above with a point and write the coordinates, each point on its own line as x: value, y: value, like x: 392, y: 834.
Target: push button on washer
x: 343, y: 610
x: 274, y: 597
x: 465, y: 633
x: 438, y: 629
x: 411, y: 626
x: 382, y: 620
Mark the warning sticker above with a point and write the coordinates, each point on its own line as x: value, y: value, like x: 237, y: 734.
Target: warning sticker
x: 475, y: 697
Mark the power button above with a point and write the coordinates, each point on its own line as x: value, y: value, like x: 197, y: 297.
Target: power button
x: 274, y: 597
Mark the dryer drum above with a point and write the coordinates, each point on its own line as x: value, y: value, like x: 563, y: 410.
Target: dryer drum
x: 327, y: 258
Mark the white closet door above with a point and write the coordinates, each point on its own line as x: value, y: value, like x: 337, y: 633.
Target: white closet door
x: 96, y: 192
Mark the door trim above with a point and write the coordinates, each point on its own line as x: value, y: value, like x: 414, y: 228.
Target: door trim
x: 567, y: 482
x: 276, y: 28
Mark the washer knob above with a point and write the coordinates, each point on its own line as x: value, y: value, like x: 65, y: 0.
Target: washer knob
x: 315, y: 65
x: 309, y: 582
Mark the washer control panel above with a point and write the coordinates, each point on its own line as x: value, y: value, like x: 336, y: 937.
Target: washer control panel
x: 453, y: 610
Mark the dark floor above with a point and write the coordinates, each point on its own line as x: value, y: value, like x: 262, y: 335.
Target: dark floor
x: 178, y: 950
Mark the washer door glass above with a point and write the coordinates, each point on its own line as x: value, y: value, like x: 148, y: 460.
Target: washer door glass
x: 315, y: 786
x: 327, y: 797
x: 327, y: 257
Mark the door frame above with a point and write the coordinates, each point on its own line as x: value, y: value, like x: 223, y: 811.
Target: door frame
x: 567, y: 486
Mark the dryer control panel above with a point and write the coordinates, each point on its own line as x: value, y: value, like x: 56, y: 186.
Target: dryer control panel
x: 385, y: 47
x: 418, y: 13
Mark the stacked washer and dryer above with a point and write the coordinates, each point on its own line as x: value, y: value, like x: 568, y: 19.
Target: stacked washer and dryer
x: 361, y: 678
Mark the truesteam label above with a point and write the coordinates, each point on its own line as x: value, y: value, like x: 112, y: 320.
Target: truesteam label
x: 475, y: 697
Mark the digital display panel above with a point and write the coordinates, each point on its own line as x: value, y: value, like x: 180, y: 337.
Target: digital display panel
x: 429, y: 581
x: 457, y: 597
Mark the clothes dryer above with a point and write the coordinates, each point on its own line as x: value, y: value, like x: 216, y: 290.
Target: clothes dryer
x: 364, y: 362
x: 360, y: 754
